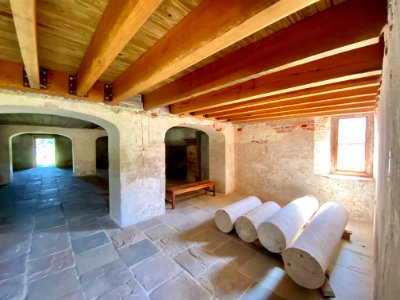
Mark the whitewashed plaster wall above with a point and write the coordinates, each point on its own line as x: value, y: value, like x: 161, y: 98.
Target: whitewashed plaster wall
x: 275, y: 161
x: 387, y: 219
x: 136, y: 149
x: 83, y: 147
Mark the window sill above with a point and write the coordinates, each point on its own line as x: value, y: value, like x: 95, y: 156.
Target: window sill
x: 346, y: 177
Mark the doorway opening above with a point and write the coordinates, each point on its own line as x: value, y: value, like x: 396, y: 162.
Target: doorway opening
x: 186, y: 155
x: 45, y: 152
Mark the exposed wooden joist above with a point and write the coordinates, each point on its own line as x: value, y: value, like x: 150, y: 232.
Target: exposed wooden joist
x: 335, y: 107
x: 118, y: 24
x: 57, y: 83
x: 359, y: 63
x: 24, y: 16
x: 341, y: 97
x: 325, y: 92
x: 353, y: 102
x: 346, y: 111
x: 212, y: 26
x: 350, y: 25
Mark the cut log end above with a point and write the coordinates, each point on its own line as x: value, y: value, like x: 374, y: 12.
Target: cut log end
x: 223, y: 221
x: 245, y: 230
x: 303, y: 268
x: 271, y: 237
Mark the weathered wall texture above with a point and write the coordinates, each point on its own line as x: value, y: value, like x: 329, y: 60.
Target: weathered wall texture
x: 23, y: 152
x: 275, y: 161
x: 387, y: 220
x: 136, y: 145
x: 63, y: 152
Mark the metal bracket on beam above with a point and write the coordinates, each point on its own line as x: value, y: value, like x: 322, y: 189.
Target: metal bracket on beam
x: 25, y: 80
x: 42, y: 78
x: 72, y: 84
x: 108, y: 96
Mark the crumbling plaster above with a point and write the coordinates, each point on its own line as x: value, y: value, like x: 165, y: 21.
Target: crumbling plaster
x: 136, y: 149
x: 275, y: 161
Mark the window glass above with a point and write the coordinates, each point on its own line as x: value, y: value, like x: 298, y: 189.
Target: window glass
x: 351, y: 144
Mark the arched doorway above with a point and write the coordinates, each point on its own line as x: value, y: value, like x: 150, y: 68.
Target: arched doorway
x: 6, y: 170
x: 186, y: 155
x: 102, y: 157
x: 26, y: 155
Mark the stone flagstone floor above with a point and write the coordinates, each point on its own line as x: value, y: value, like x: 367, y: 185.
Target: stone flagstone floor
x: 57, y: 242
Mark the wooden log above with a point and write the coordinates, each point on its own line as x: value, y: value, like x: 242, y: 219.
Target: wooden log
x: 246, y: 225
x: 226, y: 217
x: 307, y: 260
x: 278, y: 231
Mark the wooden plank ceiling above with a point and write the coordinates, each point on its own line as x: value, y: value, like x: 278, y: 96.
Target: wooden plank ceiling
x: 237, y: 61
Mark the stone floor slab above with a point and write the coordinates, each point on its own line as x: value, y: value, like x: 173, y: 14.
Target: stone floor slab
x: 13, y: 267
x: 126, y: 236
x: 51, y: 264
x: 128, y: 291
x: 94, y: 258
x: 148, y: 224
x: 180, y: 287
x: 12, y: 288
x: 225, y: 282
x: 105, y: 278
x: 49, y: 241
x: 154, y: 271
x: 13, y: 251
x: 135, y: 253
x: 159, y: 231
x: 54, y: 286
x: 196, y: 260
x: 89, y: 242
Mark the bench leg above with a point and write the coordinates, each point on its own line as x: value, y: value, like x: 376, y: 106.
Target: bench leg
x: 173, y: 200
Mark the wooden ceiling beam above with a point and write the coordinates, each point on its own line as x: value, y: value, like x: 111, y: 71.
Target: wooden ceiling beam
x: 355, y: 64
x: 212, y: 26
x: 120, y: 21
x: 325, y: 92
x: 341, y: 112
x: 366, y: 93
x: 57, y: 83
x: 350, y: 25
x: 24, y: 16
x: 362, y: 99
x: 317, y: 109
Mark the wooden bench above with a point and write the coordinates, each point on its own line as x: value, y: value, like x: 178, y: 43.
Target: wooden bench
x: 189, y: 187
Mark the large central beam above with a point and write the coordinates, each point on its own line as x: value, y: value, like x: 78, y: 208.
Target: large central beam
x: 209, y: 28
x: 350, y: 25
x: 359, y: 63
x: 24, y: 16
x: 118, y: 24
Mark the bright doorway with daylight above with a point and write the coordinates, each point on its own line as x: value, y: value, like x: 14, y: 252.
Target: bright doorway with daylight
x: 45, y: 152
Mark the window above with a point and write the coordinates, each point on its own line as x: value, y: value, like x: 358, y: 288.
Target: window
x: 351, y: 143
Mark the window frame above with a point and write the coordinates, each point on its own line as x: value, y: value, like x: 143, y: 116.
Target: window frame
x: 369, y: 136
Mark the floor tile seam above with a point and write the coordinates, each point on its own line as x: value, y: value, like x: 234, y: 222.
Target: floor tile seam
x: 109, y: 242
x: 200, y: 274
x: 26, y: 278
x: 139, y: 262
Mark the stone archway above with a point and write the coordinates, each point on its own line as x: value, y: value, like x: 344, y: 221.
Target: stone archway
x: 72, y: 112
x: 220, y: 156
